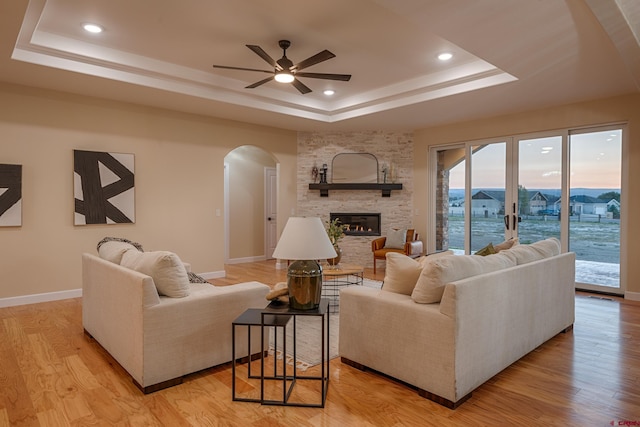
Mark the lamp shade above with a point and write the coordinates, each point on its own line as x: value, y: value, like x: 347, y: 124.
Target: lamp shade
x: 304, y: 238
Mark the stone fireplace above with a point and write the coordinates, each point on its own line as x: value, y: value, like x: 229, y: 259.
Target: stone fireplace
x: 358, y: 224
x: 396, y: 211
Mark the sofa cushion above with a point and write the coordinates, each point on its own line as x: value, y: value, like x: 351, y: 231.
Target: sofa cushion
x: 440, y: 271
x: 535, y: 251
x: 396, y: 239
x: 402, y: 272
x: 113, y: 250
x: 166, y: 269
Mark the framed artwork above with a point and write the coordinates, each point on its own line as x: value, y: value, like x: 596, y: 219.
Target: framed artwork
x: 10, y: 195
x: 103, y: 187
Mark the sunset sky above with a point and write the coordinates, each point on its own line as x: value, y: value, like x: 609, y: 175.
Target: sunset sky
x: 595, y: 163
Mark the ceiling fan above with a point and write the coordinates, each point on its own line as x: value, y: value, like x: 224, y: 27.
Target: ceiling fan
x: 286, y: 72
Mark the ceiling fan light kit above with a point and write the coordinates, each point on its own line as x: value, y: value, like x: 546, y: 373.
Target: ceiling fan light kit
x: 285, y: 71
x: 284, y: 77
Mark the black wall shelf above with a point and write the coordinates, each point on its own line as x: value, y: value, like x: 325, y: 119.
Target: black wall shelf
x: 385, y: 188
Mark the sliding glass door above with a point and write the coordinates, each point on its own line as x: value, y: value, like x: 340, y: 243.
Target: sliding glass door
x: 539, y: 188
x: 488, y: 194
x: 565, y: 185
x: 595, y: 207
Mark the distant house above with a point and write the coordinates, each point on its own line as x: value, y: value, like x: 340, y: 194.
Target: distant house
x: 487, y: 203
x: 615, y: 203
x: 587, y: 205
x: 491, y: 202
x: 537, y: 202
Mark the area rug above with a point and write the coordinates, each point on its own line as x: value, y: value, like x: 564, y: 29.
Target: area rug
x: 308, y: 337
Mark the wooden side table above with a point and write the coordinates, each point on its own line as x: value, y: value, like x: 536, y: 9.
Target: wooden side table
x: 338, y: 276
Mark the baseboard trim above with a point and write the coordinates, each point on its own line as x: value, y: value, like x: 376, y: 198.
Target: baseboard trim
x: 247, y: 259
x: 632, y: 296
x: 213, y: 275
x: 36, y: 298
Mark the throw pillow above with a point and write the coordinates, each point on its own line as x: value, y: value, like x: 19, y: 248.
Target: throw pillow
x: 401, y: 273
x: 437, y: 273
x: 523, y: 254
x: 166, y: 269
x: 487, y: 250
x: 194, y: 278
x: 396, y: 239
x: 423, y: 260
x: 547, y: 247
x: 535, y: 251
x: 507, y: 244
x: 113, y: 250
x: 400, y: 270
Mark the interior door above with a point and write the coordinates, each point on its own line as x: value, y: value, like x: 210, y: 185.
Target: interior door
x: 271, y: 212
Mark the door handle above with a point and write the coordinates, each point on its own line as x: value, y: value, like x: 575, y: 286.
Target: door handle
x: 268, y: 218
x: 506, y: 221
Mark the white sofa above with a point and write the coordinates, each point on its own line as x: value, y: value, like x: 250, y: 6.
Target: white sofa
x: 158, y: 339
x: 479, y: 326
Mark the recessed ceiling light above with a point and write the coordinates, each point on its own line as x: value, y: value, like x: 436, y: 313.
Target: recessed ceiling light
x: 92, y: 28
x: 329, y: 92
x: 445, y: 56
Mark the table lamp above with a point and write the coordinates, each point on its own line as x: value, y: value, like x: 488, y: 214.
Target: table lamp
x: 304, y: 240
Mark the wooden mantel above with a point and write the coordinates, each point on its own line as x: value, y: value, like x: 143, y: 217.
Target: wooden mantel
x: 385, y: 188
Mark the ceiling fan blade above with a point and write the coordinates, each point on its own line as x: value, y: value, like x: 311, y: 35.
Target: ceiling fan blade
x: 341, y: 77
x: 300, y: 86
x: 264, y: 55
x: 260, y: 83
x: 313, y: 60
x: 241, y: 68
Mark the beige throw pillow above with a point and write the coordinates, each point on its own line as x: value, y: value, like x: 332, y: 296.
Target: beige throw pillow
x: 547, y: 247
x: 507, y: 244
x: 113, y: 250
x: 535, y: 251
x: 442, y: 270
x: 402, y: 272
x: 166, y: 269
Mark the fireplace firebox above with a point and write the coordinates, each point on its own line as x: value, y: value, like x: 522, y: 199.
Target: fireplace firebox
x: 359, y: 224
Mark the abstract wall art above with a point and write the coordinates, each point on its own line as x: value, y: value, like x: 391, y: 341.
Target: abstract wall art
x: 103, y: 187
x: 10, y: 195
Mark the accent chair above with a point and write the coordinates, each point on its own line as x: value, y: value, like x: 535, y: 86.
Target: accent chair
x: 411, y: 246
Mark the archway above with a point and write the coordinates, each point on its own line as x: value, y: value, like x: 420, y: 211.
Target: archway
x: 249, y: 202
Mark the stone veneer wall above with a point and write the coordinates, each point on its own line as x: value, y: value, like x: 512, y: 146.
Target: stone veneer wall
x: 316, y: 148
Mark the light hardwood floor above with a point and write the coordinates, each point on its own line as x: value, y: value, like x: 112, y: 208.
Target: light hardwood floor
x: 51, y: 374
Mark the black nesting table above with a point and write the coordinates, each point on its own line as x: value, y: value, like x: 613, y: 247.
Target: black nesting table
x: 278, y: 316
